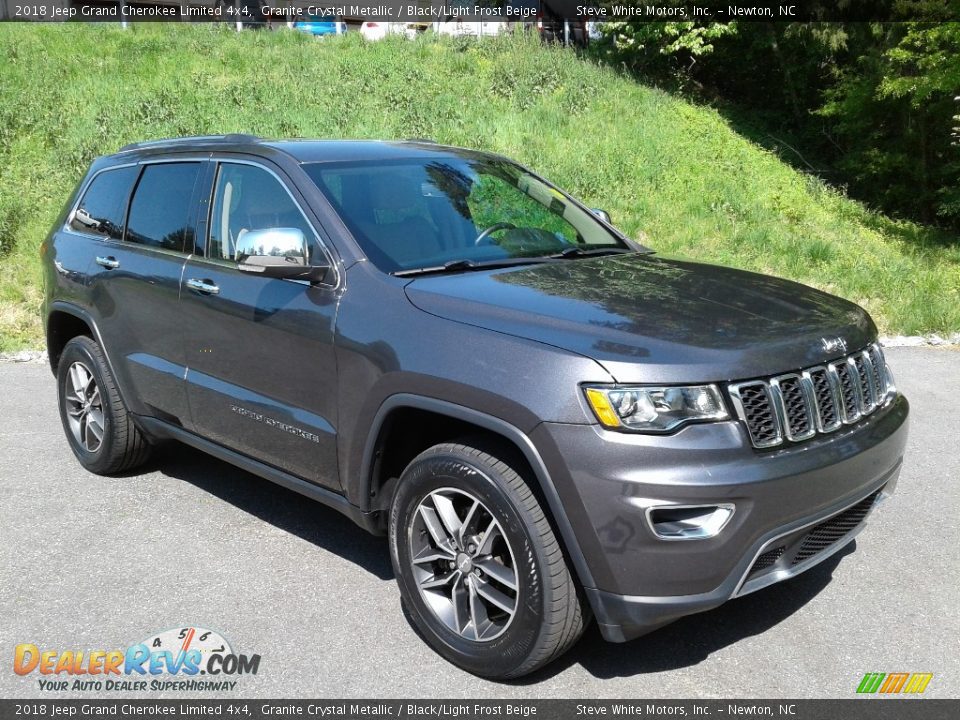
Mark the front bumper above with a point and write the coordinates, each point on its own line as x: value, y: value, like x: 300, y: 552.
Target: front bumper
x: 607, y: 480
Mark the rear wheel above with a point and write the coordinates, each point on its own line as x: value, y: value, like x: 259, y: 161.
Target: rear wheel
x: 98, y: 427
x: 480, y: 570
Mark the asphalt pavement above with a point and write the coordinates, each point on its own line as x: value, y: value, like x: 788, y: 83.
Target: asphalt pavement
x: 88, y: 562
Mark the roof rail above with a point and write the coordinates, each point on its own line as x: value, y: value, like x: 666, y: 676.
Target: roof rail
x: 233, y: 138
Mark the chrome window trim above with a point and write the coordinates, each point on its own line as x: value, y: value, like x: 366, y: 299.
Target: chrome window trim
x: 331, y: 257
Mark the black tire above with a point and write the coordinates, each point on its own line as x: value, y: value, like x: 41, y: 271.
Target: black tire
x: 549, y: 613
x: 122, y: 446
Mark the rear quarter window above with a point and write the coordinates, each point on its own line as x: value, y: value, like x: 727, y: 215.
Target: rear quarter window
x: 101, y: 210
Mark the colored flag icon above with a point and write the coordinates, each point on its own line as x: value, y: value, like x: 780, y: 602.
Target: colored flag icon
x: 894, y: 683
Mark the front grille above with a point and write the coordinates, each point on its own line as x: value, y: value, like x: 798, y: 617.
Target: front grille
x: 879, y: 372
x: 829, y: 531
x: 797, y: 415
x: 824, y: 394
x: 765, y: 560
x: 848, y: 386
x: 820, y: 399
x: 758, y: 413
x: 793, y: 549
x: 865, y: 376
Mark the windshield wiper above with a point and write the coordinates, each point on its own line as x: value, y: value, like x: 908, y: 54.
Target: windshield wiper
x: 467, y: 265
x: 579, y: 251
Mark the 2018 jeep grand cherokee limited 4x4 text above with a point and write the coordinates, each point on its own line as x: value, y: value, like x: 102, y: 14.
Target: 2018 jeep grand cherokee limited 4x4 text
x: 547, y: 420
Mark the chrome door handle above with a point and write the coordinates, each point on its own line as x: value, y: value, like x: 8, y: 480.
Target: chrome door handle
x: 109, y: 262
x: 203, y: 286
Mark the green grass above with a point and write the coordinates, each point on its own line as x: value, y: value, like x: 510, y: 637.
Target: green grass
x: 666, y: 170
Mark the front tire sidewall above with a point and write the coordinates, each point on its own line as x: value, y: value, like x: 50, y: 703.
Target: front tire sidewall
x: 75, y: 351
x: 502, y: 655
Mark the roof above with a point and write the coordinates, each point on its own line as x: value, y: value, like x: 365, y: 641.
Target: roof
x: 302, y: 150
x: 360, y: 150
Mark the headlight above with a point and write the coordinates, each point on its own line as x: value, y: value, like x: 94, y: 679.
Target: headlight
x: 655, y: 409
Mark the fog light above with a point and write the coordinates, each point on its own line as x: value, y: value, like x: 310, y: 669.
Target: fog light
x: 689, y: 522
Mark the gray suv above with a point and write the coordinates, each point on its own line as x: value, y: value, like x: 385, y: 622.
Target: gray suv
x: 548, y: 421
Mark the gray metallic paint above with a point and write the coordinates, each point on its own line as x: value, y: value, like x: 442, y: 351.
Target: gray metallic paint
x: 615, y: 476
x: 505, y: 349
x: 653, y: 320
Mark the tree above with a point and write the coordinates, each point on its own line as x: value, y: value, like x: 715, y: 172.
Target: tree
x: 657, y: 46
x: 892, y: 109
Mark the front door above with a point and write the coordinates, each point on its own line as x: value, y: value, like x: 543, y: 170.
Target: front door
x: 262, y: 371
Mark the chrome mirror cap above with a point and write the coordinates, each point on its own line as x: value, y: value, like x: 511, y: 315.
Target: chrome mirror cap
x: 602, y: 214
x: 268, y: 246
x: 277, y: 253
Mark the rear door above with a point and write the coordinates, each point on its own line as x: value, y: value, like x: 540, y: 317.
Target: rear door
x: 262, y: 371
x: 95, y: 223
x: 136, y: 286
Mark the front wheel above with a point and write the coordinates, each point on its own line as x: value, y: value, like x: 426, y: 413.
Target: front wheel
x: 480, y: 570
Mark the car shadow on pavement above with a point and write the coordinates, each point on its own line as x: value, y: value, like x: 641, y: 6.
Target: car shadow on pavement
x: 312, y: 521
x: 692, y: 639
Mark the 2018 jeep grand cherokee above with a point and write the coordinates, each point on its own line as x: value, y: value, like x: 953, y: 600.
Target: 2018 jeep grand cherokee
x: 548, y: 420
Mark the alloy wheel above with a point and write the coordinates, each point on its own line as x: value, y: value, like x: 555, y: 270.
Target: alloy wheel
x: 84, y: 407
x: 463, y: 564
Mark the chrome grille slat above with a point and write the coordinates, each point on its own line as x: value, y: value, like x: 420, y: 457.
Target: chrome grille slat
x: 824, y: 390
x: 754, y: 405
x: 820, y: 399
x: 858, y: 362
x: 849, y: 390
x: 879, y: 372
x: 794, y: 406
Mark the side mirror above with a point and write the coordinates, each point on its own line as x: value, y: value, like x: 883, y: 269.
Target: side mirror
x: 602, y: 214
x: 277, y: 253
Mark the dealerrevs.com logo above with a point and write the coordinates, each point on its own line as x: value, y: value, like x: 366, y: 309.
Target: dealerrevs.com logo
x: 173, y: 660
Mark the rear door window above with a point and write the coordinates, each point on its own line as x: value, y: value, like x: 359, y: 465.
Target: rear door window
x: 101, y: 210
x: 160, y: 213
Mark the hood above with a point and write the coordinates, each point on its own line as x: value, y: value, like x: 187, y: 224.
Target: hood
x: 652, y: 319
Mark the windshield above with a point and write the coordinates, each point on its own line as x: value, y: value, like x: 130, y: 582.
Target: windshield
x: 431, y: 212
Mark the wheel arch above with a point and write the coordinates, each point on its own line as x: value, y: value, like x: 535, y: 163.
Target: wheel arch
x: 377, y: 488
x: 66, y: 321
x: 63, y: 323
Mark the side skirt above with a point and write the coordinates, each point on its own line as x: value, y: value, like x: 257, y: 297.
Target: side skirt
x: 160, y: 430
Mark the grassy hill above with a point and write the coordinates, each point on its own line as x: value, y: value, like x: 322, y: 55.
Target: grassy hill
x: 661, y: 166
